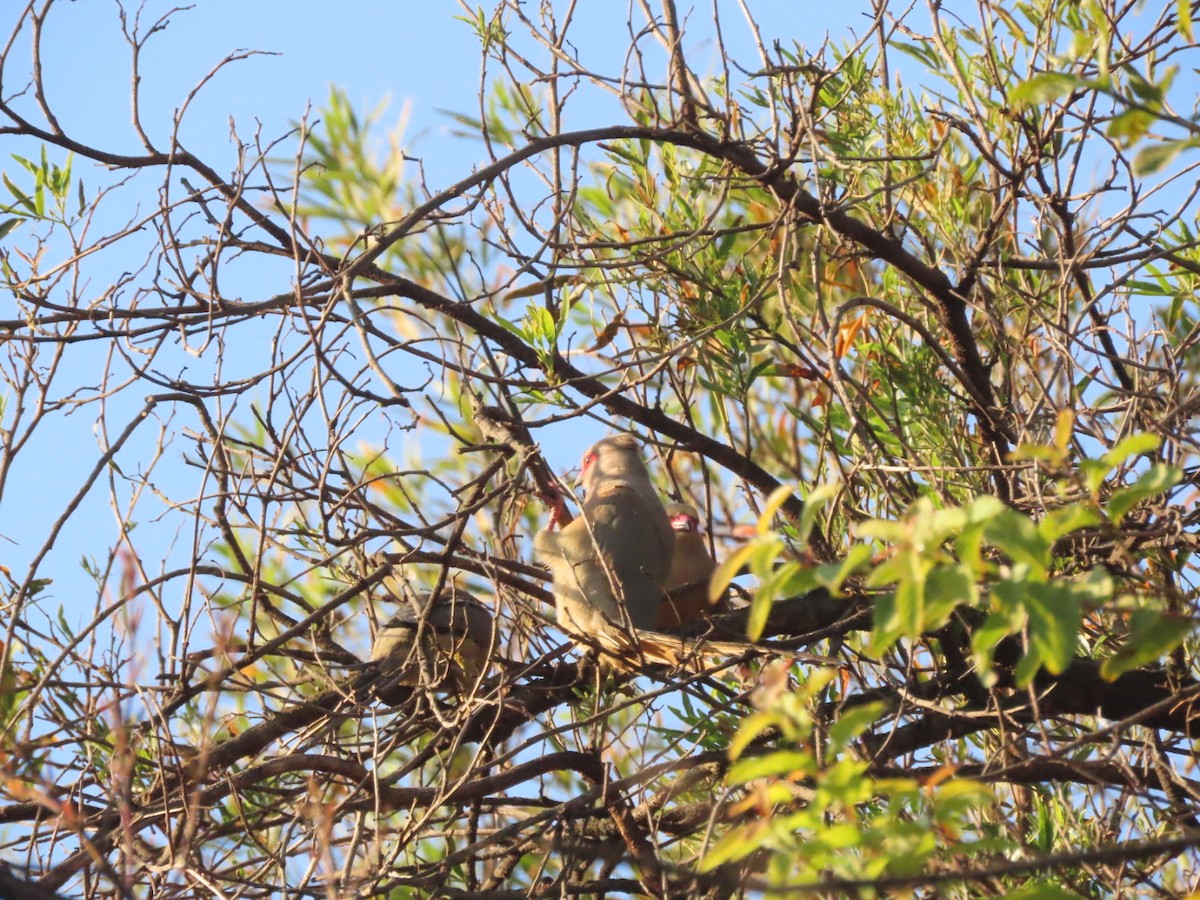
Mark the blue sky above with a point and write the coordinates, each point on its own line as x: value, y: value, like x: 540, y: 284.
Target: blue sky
x: 414, y: 51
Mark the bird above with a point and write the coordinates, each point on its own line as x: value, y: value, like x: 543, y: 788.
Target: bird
x: 442, y: 642
x: 691, y: 569
x: 608, y: 567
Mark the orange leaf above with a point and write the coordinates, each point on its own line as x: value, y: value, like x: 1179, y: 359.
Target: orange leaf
x: 758, y: 212
x: 540, y: 287
x: 847, y: 332
x: 610, y: 331
x: 851, y: 271
x: 791, y: 370
x: 942, y: 774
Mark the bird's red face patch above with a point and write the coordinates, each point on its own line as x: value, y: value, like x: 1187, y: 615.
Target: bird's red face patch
x: 588, y: 459
x: 684, y: 522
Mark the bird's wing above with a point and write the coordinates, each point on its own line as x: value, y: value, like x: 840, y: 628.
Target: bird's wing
x: 622, y: 519
x: 460, y: 613
x: 630, y: 540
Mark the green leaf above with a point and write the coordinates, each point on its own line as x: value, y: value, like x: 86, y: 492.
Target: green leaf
x: 778, y: 497
x: 906, y: 616
x: 853, y: 722
x: 509, y: 326
x: 969, y: 542
x: 1159, y: 479
x: 783, y: 763
x: 18, y: 195
x: 541, y: 325
x: 1042, y: 891
x: 736, y: 844
x: 926, y: 57
x: 1044, y: 826
x: 833, y: 575
x: 752, y: 726
x: 1153, y: 634
x: 1150, y: 159
x: 1055, y: 614
x: 1130, y: 126
x: 886, y: 629
x: 63, y: 624
x: 944, y: 523
x: 817, y: 498
x: 1043, y: 87
x: 1147, y: 92
x: 881, y: 530
x: 1094, y: 471
x: 1134, y: 445
x: 1041, y: 452
x: 1000, y: 624
x: 1017, y: 536
x: 946, y: 588
x: 760, y: 611
x: 1027, y: 668
x: 1070, y: 518
x: 1149, y: 288
x: 1064, y: 427
x: 8, y: 225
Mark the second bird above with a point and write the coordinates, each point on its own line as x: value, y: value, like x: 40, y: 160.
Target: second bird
x: 691, y: 569
x: 455, y: 632
x: 609, y: 565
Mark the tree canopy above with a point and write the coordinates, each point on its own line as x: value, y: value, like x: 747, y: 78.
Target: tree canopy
x: 909, y: 314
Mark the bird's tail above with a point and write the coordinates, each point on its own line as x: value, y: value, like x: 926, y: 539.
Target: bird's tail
x: 634, y: 650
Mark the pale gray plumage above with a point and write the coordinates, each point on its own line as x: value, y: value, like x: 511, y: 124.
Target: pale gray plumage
x: 610, y: 564
x: 455, y: 635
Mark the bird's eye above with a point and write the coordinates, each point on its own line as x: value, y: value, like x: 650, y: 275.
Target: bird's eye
x: 588, y: 460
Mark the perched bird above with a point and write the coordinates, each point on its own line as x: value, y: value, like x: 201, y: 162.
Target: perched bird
x: 442, y: 642
x: 610, y: 564
x: 691, y: 568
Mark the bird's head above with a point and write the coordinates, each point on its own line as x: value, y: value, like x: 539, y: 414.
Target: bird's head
x: 614, y: 460
x: 684, y: 517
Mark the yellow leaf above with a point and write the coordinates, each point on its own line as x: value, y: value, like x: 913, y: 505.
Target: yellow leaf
x: 778, y: 497
x: 727, y: 570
